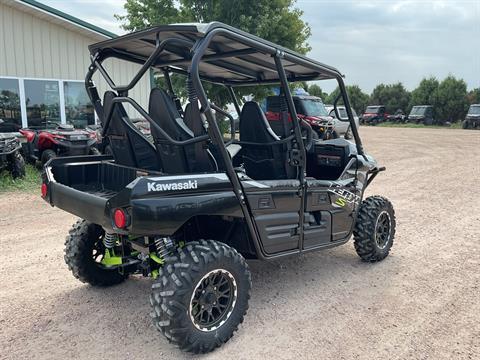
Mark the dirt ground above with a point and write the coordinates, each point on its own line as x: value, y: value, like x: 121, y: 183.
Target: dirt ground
x: 422, y: 302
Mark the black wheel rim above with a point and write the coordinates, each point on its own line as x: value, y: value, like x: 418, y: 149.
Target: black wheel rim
x: 213, y: 300
x: 98, y: 252
x: 382, y: 229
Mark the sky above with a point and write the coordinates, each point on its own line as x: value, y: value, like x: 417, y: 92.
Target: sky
x: 371, y: 42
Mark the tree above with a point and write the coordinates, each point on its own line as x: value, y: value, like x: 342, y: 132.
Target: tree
x: 316, y: 90
x: 393, y: 96
x: 358, y: 99
x: 275, y: 20
x: 473, y: 96
x: 451, y: 102
x: 425, y: 92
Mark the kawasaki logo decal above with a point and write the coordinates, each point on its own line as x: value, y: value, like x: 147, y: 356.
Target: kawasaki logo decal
x: 187, y: 185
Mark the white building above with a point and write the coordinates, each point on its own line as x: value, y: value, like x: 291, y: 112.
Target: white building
x: 43, y: 61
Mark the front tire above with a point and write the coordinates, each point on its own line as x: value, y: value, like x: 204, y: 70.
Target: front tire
x: 94, y: 151
x: 201, y: 296
x: 374, y: 229
x: 18, y: 166
x: 348, y: 135
x: 84, y: 250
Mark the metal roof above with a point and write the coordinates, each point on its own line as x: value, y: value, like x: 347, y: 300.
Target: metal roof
x: 233, y: 56
x: 59, y: 17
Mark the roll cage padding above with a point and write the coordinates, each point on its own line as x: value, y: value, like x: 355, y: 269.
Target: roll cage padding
x: 262, y: 162
x: 129, y: 146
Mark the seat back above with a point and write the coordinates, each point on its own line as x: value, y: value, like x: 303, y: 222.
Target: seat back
x: 129, y: 146
x: 176, y: 159
x: 204, y: 158
x: 262, y: 162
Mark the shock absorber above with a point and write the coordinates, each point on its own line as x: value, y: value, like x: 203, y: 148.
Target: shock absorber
x: 163, y: 246
x: 109, y: 240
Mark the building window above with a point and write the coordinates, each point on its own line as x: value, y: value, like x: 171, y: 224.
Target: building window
x: 10, y: 111
x: 42, y: 98
x: 78, y: 108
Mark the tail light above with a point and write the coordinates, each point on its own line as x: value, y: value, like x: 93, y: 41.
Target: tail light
x: 44, y: 190
x: 120, y: 218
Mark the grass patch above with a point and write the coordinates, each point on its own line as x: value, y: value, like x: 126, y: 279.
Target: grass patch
x: 31, y: 182
x: 456, y: 125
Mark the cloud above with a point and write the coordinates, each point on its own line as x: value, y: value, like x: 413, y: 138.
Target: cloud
x: 371, y: 42
x: 99, y: 13
x: 389, y: 41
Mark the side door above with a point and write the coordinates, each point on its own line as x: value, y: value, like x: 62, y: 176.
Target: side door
x: 275, y: 205
x: 331, y: 198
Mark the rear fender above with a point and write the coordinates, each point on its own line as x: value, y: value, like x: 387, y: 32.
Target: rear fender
x: 161, y: 205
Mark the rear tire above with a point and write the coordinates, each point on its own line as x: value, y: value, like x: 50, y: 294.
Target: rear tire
x: 18, y: 165
x: 83, y: 239
x: 186, y: 281
x: 374, y: 229
x: 47, y: 155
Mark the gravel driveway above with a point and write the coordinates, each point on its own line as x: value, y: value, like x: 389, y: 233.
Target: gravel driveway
x: 422, y: 302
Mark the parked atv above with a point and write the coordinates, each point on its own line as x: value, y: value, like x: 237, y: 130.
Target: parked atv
x: 374, y: 115
x: 188, y: 209
x: 10, y: 155
x: 398, y: 117
x: 309, y: 109
x: 422, y: 114
x: 103, y: 144
x: 61, y: 140
x: 472, y: 120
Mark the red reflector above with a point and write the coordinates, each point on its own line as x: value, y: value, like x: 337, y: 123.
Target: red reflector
x: 44, y: 190
x: 119, y: 218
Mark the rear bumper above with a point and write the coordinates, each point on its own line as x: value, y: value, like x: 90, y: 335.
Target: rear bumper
x: 72, y: 148
x: 79, y: 203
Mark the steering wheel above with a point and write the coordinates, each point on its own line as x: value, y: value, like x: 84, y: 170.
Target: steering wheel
x: 307, y: 132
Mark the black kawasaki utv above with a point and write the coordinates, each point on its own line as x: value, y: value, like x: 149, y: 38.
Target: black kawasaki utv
x: 422, y: 114
x: 189, y: 208
x: 472, y: 120
x: 10, y: 154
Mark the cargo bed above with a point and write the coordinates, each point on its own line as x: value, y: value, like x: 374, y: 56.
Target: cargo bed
x: 91, y: 181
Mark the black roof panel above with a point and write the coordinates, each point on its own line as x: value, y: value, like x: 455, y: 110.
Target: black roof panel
x: 233, y: 56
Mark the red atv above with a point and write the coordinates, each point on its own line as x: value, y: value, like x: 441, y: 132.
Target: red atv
x: 309, y: 109
x: 63, y: 140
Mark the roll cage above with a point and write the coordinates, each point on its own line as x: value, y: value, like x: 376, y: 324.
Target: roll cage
x: 219, y: 54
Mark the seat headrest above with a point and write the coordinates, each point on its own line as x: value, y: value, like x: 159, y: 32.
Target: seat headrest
x: 161, y: 101
x: 163, y: 111
x: 254, y: 125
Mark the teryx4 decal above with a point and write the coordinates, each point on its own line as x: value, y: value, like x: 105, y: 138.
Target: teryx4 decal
x: 187, y: 185
x: 345, y: 196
